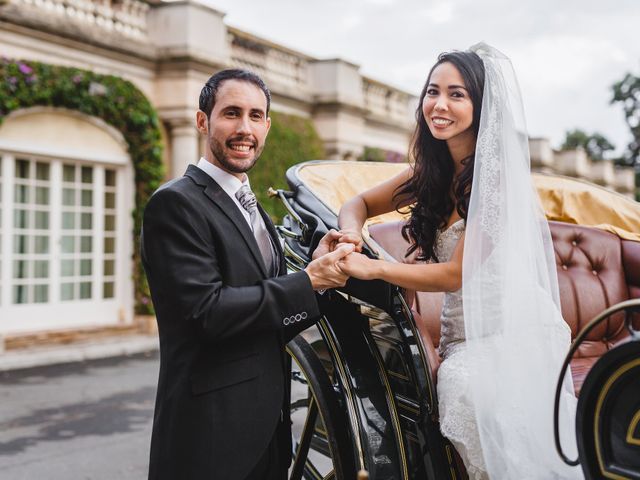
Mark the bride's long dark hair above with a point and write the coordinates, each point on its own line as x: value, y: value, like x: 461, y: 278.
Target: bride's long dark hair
x: 433, y: 182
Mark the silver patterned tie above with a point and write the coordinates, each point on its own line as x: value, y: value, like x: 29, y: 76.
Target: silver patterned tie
x: 248, y: 201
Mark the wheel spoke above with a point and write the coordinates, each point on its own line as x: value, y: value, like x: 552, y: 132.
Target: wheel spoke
x: 297, y: 376
x: 298, y: 404
x: 302, y: 451
x: 311, y: 472
x: 330, y: 476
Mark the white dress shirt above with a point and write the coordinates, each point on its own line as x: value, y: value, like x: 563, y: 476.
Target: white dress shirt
x: 229, y: 183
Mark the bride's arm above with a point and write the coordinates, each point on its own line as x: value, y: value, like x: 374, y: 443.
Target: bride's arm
x: 426, y: 277
x: 375, y: 201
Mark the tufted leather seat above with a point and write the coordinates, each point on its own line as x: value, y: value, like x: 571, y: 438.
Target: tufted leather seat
x: 595, y: 270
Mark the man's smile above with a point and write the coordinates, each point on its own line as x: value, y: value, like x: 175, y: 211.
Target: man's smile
x: 241, y: 146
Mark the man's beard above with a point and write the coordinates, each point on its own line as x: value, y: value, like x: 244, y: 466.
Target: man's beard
x: 218, y: 151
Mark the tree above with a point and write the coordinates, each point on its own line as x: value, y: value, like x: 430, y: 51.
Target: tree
x: 627, y: 92
x: 595, y: 144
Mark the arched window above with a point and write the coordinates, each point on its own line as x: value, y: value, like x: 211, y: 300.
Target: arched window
x: 66, y: 196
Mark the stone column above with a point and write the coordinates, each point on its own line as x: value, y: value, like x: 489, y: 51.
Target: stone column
x: 573, y: 163
x: 191, y: 42
x: 188, y: 29
x: 603, y: 173
x: 185, y: 146
x: 338, y: 111
x: 625, y: 181
x: 542, y: 157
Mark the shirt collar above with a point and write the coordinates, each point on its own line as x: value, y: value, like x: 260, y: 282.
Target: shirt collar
x: 229, y: 183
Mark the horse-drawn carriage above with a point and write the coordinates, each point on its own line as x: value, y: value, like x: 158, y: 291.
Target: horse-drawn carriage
x: 364, y: 379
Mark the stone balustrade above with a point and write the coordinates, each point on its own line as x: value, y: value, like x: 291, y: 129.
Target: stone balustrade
x: 124, y: 17
x: 289, y: 69
x: 576, y: 163
x: 387, y: 102
x: 279, y: 66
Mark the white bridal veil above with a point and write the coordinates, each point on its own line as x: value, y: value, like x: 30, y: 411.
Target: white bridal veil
x: 516, y: 337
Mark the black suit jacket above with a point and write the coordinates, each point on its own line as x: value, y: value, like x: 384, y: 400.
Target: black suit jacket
x: 223, y: 324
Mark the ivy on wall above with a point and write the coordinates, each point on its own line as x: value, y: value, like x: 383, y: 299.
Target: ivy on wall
x: 119, y: 103
x: 114, y: 100
x: 291, y: 140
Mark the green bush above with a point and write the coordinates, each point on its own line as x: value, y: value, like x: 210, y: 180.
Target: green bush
x: 291, y: 140
x: 375, y: 154
x: 25, y: 84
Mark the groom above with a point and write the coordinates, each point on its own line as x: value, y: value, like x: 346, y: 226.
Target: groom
x: 224, y: 304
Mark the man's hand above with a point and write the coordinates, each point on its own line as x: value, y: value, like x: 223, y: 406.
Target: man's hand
x: 324, y: 271
x: 327, y: 244
x: 351, y: 236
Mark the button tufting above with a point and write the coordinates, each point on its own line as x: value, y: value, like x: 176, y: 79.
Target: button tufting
x: 564, y: 267
x: 594, y: 272
x: 574, y: 243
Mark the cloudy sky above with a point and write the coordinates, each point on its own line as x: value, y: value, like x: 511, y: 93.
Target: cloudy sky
x: 567, y: 53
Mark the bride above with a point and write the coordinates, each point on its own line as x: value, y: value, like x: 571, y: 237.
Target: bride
x: 478, y: 228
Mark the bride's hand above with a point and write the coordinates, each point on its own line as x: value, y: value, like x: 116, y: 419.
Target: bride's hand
x: 359, y: 266
x: 351, y: 236
x: 327, y: 244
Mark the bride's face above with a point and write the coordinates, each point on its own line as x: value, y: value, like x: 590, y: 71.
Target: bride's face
x: 447, y: 106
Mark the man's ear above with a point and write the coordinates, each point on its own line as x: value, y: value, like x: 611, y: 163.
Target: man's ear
x: 268, y: 124
x: 202, y: 122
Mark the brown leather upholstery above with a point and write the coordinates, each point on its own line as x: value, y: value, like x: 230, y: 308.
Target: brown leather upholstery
x: 591, y: 278
x: 595, y: 270
x: 631, y: 262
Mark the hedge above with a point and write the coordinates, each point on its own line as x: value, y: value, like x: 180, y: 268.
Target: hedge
x: 291, y: 140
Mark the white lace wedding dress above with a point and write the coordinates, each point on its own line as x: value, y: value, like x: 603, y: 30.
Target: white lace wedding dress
x: 457, y: 419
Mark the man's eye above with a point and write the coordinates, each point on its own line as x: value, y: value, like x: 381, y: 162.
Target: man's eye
x: 256, y: 116
x: 231, y: 113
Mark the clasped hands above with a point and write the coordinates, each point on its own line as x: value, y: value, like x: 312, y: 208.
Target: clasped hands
x: 337, y: 258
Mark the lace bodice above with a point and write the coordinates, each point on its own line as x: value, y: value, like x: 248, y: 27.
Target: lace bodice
x: 451, y: 318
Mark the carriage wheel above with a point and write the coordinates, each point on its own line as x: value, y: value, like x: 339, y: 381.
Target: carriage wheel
x: 321, y: 446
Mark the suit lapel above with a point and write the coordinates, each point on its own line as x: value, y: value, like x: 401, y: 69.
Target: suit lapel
x: 220, y: 198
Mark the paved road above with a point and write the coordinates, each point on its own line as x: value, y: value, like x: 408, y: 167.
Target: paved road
x: 85, y: 421
x: 82, y: 421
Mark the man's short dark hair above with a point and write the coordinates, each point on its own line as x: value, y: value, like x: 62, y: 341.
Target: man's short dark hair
x: 210, y: 89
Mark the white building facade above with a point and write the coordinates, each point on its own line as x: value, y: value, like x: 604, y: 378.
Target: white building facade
x: 66, y: 179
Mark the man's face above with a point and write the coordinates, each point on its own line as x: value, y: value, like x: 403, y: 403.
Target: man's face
x: 237, y: 127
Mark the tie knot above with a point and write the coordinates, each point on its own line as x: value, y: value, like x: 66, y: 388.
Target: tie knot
x: 246, y: 198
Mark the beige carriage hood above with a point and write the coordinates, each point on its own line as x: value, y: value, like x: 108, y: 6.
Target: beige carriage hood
x: 564, y: 199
